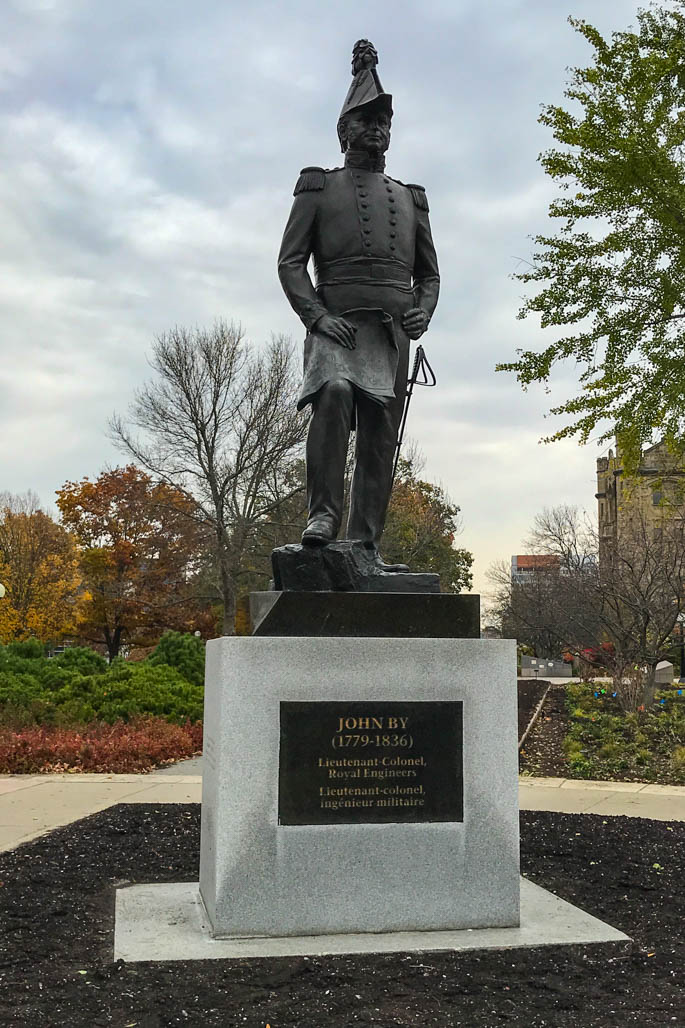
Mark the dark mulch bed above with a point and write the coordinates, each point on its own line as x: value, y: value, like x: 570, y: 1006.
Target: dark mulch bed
x: 56, y: 935
x: 530, y: 692
x: 543, y: 751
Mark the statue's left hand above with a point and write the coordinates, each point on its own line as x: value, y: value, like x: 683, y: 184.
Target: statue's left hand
x: 415, y: 322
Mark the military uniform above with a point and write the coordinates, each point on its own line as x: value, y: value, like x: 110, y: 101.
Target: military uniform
x: 374, y: 260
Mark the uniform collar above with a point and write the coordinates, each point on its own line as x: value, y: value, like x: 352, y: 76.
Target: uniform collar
x: 364, y: 160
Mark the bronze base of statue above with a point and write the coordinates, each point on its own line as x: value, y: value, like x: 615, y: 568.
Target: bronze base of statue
x: 345, y: 566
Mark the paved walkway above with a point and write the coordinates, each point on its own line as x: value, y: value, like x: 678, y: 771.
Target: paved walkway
x: 31, y: 805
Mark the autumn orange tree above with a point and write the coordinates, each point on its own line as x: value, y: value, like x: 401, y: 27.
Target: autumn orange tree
x: 39, y: 568
x: 140, y: 549
x: 421, y: 527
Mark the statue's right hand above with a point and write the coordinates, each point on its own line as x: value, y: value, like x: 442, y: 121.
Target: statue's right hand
x: 337, y: 329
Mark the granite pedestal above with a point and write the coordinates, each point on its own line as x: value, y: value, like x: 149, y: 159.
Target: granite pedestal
x: 262, y: 877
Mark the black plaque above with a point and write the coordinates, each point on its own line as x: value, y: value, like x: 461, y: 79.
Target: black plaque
x: 368, y: 762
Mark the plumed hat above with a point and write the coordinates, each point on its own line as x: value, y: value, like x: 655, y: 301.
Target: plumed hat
x: 366, y: 87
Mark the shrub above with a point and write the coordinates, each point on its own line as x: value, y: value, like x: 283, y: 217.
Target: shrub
x: 184, y: 652
x: 610, y: 751
x: 21, y: 692
x: 120, y: 748
x: 29, y: 649
x: 581, y: 766
x: 78, y: 686
x: 129, y: 690
x: 81, y: 659
x: 572, y: 748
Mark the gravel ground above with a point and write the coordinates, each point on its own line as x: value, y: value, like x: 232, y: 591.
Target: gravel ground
x: 56, y: 937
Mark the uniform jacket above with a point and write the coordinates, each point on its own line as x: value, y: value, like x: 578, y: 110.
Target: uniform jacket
x: 353, y: 214
x: 370, y: 239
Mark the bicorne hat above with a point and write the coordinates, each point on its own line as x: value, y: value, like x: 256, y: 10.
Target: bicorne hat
x: 366, y: 88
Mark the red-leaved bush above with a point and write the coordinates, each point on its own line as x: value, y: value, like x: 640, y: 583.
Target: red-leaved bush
x: 124, y: 747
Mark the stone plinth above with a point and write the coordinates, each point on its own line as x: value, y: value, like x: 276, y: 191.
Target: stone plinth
x: 377, y: 615
x: 262, y: 877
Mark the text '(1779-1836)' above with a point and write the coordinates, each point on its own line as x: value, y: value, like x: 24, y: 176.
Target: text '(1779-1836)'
x: 370, y: 762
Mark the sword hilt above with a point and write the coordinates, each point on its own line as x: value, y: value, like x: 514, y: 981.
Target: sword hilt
x: 420, y: 365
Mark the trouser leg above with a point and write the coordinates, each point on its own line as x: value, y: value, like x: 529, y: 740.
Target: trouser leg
x: 329, y: 432
x: 377, y: 426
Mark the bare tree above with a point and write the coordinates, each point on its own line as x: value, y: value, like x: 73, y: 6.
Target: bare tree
x: 642, y: 583
x: 219, y: 422
x: 630, y: 600
x: 20, y: 503
x: 532, y: 612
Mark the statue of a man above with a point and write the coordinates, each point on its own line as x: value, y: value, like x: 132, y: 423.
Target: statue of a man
x: 377, y: 286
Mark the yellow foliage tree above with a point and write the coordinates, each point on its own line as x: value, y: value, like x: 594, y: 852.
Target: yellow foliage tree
x: 9, y: 619
x: 39, y: 568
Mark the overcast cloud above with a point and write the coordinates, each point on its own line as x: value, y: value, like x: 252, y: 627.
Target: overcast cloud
x: 148, y: 153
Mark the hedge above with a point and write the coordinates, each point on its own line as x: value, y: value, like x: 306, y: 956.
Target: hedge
x: 78, y: 686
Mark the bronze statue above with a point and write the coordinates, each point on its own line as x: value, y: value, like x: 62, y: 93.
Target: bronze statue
x: 377, y: 286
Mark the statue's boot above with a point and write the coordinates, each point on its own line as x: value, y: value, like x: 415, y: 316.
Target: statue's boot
x: 320, y: 531
x: 379, y: 563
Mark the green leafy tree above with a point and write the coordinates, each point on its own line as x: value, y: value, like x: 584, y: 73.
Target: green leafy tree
x: 613, y: 277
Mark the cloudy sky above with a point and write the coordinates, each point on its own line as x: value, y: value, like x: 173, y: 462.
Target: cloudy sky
x: 148, y: 151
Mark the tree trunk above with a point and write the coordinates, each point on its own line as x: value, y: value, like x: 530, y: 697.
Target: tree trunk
x: 113, y: 642
x: 227, y: 592
x: 649, y: 687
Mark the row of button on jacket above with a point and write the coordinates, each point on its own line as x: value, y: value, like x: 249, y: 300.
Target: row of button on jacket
x: 358, y: 213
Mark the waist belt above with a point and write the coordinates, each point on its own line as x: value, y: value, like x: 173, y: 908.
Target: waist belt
x: 365, y: 270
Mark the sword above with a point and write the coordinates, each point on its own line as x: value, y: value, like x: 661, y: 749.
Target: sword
x: 423, y: 368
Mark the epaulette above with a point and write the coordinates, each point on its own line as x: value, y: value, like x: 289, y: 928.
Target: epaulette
x: 419, y: 194
x: 310, y: 179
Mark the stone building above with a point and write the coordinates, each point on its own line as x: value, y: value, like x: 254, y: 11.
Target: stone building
x: 656, y: 489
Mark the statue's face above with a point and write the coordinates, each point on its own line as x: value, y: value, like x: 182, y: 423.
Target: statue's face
x: 368, y: 130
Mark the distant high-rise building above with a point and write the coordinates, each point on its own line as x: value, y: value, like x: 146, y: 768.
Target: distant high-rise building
x: 525, y: 566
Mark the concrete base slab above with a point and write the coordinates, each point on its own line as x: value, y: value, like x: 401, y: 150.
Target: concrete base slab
x: 168, y: 922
